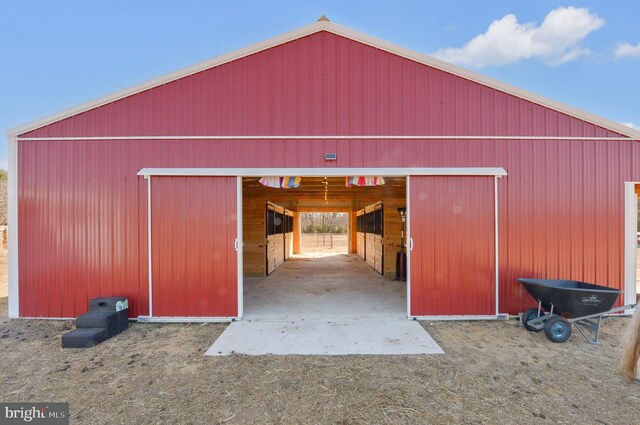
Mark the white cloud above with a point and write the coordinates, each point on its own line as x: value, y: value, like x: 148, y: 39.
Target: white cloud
x: 630, y: 124
x: 556, y: 41
x: 626, y: 50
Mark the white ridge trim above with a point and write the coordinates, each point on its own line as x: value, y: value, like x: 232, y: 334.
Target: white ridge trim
x: 327, y: 137
x: 322, y: 172
x: 350, y: 34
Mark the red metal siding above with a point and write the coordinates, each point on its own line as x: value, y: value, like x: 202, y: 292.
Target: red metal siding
x: 193, y: 231
x: 82, y: 208
x: 453, y: 257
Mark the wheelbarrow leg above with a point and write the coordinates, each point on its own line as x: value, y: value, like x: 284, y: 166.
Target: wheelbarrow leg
x: 587, y: 324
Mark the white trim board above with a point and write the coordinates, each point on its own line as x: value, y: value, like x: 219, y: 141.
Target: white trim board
x: 179, y: 319
x: 630, y: 243
x: 408, y: 242
x: 496, y: 241
x: 347, y: 33
x: 324, y: 172
x: 12, y: 221
x: 477, y: 317
x: 149, y: 246
x: 324, y: 137
x: 239, y: 247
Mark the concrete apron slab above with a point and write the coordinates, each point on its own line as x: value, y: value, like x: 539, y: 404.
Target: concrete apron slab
x: 318, y: 304
x: 367, y: 335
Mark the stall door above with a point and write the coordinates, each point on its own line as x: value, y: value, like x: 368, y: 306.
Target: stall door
x: 194, y: 257
x: 452, y: 233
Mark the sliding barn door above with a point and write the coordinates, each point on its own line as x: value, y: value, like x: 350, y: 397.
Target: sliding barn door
x: 452, y: 231
x: 194, y: 257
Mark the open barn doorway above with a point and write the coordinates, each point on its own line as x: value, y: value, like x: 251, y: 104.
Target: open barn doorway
x: 324, y: 233
x: 305, y: 255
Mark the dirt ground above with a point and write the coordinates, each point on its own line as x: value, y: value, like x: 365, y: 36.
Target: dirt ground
x: 492, y: 372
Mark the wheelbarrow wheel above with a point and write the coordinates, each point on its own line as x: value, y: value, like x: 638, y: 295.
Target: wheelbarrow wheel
x: 530, y: 314
x: 557, y: 329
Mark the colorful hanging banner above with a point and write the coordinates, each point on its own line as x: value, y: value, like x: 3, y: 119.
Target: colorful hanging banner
x: 289, y: 182
x: 364, y: 181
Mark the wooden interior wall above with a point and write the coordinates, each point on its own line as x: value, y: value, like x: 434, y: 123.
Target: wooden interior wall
x: 392, y: 239
x: 275, y: 252
x: 361, y: 244
x: 353, y: 237
x: 278, y: 244
x: 374, y: 243
x: 253, y: 234
x: 373, y: 249
x: 288, y: 240
x: 296, y: 233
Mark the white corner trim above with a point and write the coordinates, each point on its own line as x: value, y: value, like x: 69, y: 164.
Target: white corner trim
x: 12, y: 229
x: 407, y: 238
x: 347, y: 33
x: 630, y: 243
x: 322, y: 172
x: 496, y: 244
x: 149, y: 247
x: 240, y: 245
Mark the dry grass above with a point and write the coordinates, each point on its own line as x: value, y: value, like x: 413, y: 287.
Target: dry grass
x: 492, y: 372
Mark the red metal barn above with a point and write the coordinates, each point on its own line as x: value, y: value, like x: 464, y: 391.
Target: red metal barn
x: 140, y: 193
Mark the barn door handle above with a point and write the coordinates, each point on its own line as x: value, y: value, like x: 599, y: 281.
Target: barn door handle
x: 236, y: 244
x: 410, y: 244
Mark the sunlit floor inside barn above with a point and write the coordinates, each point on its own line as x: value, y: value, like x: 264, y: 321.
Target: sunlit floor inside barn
x: 324, y: 304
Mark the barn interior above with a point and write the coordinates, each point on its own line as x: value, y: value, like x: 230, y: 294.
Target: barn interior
x: 280, y: 280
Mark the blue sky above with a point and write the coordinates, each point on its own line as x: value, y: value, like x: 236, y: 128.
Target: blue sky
x: 59, y: 54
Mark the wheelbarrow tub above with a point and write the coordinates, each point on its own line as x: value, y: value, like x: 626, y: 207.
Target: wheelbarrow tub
x: 571, y: 298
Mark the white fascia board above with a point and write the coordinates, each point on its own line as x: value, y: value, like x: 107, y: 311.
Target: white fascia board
x: 344, y: 32
x: 324, y: 172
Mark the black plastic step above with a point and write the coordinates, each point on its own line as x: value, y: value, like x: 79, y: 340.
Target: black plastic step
x: 108, y: 304
x: 100, y: 319
x: 84, y: 337
x: 123, y: 320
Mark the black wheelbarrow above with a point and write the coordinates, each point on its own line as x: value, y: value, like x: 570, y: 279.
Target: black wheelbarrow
x: 562, y: 303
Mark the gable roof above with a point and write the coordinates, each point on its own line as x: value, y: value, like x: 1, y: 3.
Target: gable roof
x: 325, y: 25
